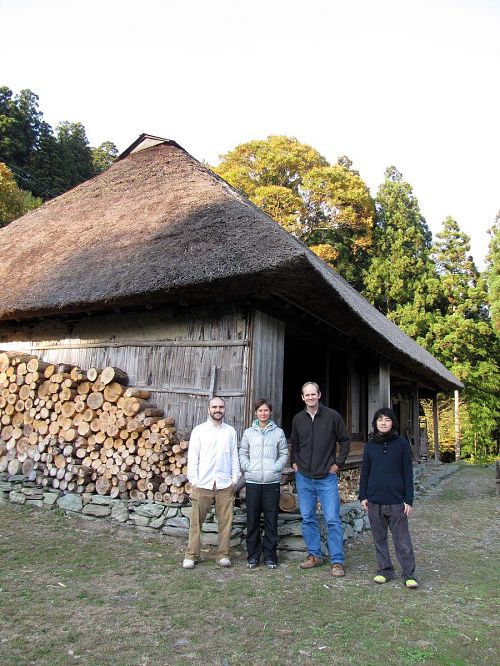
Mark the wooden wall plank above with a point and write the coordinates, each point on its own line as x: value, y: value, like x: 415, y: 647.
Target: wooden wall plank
x: 160, y: 350
x: 267, y: 361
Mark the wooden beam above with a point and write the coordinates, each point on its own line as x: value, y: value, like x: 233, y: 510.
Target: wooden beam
x: 457, y: 425
x: 435, y: 423
x: 416, y: 424
x: 140, y: 343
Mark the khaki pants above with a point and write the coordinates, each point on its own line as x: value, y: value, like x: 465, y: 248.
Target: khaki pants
x: 201, y: 500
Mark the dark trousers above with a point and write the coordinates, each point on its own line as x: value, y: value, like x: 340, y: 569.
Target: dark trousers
x: 262, y: 498
x: 382, y: 517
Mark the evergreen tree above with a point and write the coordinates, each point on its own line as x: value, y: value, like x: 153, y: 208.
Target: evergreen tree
x: 20, y: 123
x: 46, y: 166
x: 76, y: 153
x: 461, y: 336
x: 41, y: 162
x: 401, y: 280
x: 493, y: 275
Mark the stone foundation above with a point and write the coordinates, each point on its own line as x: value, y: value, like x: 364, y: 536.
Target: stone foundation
x: 173, y: 520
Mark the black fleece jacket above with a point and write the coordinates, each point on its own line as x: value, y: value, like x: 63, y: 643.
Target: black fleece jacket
x: 387, y: 472
x: 314, y: 442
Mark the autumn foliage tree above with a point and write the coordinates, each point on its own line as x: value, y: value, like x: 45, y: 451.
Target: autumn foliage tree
x: 14, y: 202
x: 328, y: 207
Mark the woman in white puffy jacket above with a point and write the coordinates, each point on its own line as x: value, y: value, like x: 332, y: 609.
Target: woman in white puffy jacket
x: 263, y: 454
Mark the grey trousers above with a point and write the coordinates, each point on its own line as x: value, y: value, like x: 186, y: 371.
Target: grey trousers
x: 382, y: 517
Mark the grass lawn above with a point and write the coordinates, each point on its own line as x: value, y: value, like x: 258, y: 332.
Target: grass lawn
x: 74, y: 591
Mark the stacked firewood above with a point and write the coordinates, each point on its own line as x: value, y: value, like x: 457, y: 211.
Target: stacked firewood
x: 87, y: 432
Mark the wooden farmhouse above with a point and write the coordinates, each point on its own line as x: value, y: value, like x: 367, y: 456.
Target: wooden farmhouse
x: 162, y: 269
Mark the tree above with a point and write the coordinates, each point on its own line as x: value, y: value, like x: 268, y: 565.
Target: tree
x: 328, y: 207
x: 75, y: 152
x: 461, y: 336
x: 104, y: 156
x: 278, y: 161
x: 493, y: 274
x: 401, y: 281
x: 341, y: 219
x: 20, y: 124
x: 14, y: 202
x: 47, y: 164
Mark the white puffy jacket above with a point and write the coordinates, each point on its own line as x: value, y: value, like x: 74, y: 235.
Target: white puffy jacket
x: 263, y: 453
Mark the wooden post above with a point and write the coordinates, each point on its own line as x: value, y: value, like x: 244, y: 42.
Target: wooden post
x: 416, y: 424
x: 435, y: 426
x: 457, y: 426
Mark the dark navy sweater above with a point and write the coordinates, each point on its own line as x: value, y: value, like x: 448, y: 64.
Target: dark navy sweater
x: 387, y: 472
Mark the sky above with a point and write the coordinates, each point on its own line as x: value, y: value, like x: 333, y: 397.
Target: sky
x: 409, y: 83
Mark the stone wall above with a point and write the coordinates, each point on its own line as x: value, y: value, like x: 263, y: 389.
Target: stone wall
x: 173, y: 520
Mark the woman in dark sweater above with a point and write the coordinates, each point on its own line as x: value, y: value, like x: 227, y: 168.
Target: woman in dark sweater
x: 386, y: 492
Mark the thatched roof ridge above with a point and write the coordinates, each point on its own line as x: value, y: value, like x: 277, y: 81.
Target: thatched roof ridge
x: 158, y: 225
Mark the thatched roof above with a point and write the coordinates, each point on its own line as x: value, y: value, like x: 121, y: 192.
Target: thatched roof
x: 158, y: 226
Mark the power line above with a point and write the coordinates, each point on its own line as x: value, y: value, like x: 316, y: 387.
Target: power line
x: 27, y: 177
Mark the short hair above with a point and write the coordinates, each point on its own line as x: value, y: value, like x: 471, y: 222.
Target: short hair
x: 218, y: 398
x: 312, y: 384
x: 263, y: 401
x: 385, y: 411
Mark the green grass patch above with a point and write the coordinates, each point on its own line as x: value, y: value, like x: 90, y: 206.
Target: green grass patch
x: 95, y: 593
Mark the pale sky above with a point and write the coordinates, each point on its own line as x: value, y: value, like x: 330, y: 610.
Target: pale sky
x: 413, y: 83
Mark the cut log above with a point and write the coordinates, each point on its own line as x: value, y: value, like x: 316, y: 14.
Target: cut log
x: 110, y: 374
x: 92, y: 374
x: 133, y: 392
x: 113, y: 391
x: 102, y: 485
x: 95, y: 400
x: 14, y: 467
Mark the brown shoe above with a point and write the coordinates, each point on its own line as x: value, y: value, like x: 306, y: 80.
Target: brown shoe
x: 311, y: 561
x: 338, y: 570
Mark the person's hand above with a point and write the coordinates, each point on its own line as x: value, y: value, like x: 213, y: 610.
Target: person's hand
x: 334, y: 469
x: 364, y: 504
x: 407, y: 509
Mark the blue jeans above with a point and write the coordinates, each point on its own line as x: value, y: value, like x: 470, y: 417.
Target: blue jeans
x: 327, y: 491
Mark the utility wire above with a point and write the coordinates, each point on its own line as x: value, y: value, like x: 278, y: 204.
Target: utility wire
x: 25, y: 175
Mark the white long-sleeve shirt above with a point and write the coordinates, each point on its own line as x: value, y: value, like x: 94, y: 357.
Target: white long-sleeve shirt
x: 213, y: 456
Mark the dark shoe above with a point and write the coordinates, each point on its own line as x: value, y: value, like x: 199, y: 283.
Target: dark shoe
x: 252, y: 564
x: 338, y: 570
x: 271, y: 565
x: 311, y: 561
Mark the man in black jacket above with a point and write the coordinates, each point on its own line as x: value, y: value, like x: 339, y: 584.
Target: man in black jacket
x: 315, y: 433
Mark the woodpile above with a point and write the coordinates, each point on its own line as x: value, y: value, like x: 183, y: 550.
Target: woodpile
x: 87, y: 432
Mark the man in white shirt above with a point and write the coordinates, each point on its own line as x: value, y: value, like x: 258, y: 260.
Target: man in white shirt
x: 213, y: 470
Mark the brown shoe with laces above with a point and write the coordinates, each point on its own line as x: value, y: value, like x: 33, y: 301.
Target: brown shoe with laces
x: 311, y: 561
x: 338, y: 570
